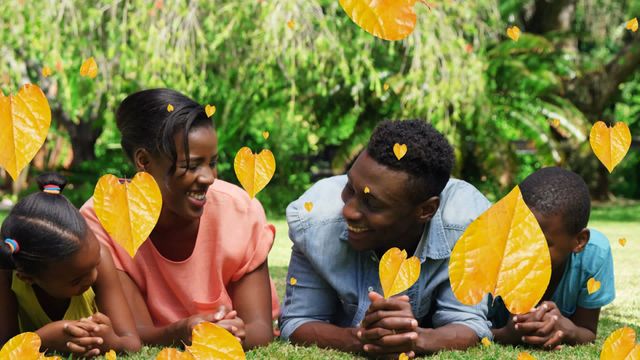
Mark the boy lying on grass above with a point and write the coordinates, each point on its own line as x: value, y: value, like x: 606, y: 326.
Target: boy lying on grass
x: 567, y: 314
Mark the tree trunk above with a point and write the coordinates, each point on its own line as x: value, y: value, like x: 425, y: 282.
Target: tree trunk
x: 83, y: 136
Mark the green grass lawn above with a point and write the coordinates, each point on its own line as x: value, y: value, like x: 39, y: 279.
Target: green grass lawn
x: 615, y: 222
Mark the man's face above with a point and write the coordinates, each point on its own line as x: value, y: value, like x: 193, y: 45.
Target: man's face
x: 384, y: 217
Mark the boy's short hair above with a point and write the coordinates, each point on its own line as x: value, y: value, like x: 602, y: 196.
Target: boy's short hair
x: 554, y: 191
x: 429, y: 159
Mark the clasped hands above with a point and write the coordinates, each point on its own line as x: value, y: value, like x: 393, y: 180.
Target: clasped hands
x: 543, y: 326
x: 389, y: 327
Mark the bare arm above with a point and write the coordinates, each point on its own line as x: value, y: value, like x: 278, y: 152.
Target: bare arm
x: 326, y: 335
x: 251, y: 298
x: 448, y: 337
x: 8, y: 308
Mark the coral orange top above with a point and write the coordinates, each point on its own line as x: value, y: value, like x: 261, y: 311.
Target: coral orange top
x: 234, y: 238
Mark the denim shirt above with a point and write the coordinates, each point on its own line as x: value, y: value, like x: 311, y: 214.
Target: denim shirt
x: 333, y: 280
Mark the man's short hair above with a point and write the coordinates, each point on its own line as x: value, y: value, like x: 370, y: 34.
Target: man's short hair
x: 429, y: 159
x: 553, y: 191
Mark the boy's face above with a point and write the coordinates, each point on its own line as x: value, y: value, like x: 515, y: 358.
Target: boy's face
x: 561, y: 243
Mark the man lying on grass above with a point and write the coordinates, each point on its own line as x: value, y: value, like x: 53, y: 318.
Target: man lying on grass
x: 568, y: 313
x: 382, y: 202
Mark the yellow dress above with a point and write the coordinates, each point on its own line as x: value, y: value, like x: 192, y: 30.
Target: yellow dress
x: 32, y: 317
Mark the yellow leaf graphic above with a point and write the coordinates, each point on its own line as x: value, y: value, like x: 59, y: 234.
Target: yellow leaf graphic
x: 403, y: 356
x: 265, y: 135
x: 632, y: 25
x: 397, y: 273
x: 513, y: 33
x: 293, y: 281
x: 485, y: 342
x: 622, y: 241
x: 386, y: 19
x: 610, y: 144
x: 25, y: 346
x: 210, y: 110
x: 254, y: 171
x: 110, y: 355
x: 169, y: 108
x: 291, y: 24
x: 593, y: 285
x: 128, y: 210
x: 525, y: 356
x: 89, y: 68
x: 400, y: 150
x: 621, y: 345
x: 210, y: 341
x: 173, y: 354
x: 502, y: 252
x: 46, y: 71
x: 308, y: 206
x: 386, y: 86
x: 24, y: 123
x: 366, y: 190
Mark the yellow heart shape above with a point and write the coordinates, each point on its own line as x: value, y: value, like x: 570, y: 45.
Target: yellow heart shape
x: 110, y: 355
x: 366, y: 190
x: 210, y: 110
x: 403, y: 356
x: 514, y: 32
x: 210, y: 341
x: 621, y: 345
x: 503, y: 252
x: 622, y: 241
x: 593, y: 285
x: 293, y: 281
x: 399, y: 150
x: 525, y: 356
x: 485, y: 342
x: 308, y: 206
x: 89, y: 68
x: 169, y: 108
x: 173, y: 354
x: 129, y: 210
x: 265, y: 135
x: 610, y: 144
x: 46, y: 71
x: 254, y: 171
x: 632, y: 25
x: 397, y: 273
x: 386, y: 19
x: 24, y: 123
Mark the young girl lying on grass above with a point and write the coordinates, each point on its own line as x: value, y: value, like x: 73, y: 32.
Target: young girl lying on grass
x: 55, y: 277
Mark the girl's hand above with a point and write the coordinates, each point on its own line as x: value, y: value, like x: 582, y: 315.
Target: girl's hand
x: 233, y: 324
x: 185, y: 326
x: 70, y: 336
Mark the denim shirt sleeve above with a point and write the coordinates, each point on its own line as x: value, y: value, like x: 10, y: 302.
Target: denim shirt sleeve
x: 448, y: 310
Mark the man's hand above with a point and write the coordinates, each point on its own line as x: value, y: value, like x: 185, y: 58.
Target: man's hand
x: 389, y: 327
x: 545, y: 326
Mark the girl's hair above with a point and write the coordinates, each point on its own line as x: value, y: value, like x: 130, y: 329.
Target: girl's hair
x: 45, y: 226
x: 145, y: 122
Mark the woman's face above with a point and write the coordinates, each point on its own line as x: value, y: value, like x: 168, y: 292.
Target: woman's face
x: 184, y: 191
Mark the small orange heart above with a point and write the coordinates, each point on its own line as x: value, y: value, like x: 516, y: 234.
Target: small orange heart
x: 385, y: 86
x: 399, y: 150
x: 308, y: 205
x: 291, y: 24
x: 210, y: 110
x: 514, y: 33
x: 366, y: 190
x: 486, y: 342
x: 403, y: 356
x: 622, y: 241
x: 593, y: 285
x: 46, y: 71
x: 632, y: 25
x: 525, y: 356
x: 293, y: 281
x: 265, y: 135
x: 169, y: 108
x: 110, y: 355
x: 555, y: 123
x: 89, y: 68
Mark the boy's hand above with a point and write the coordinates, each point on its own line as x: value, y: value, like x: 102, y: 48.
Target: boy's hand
x: 545, y: 326
x: 389, y: 327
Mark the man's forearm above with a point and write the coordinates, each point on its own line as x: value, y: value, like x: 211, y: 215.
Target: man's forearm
x: 453, y: 336
x: 327, y: 335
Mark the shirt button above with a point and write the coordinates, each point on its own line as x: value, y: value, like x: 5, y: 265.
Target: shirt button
x: 370, y: 288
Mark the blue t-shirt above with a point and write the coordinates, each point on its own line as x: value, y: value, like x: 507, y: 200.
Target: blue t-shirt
x: 595, y: 261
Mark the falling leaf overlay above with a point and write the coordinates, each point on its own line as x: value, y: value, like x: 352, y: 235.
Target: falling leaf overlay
x: 386, y: 19
x: 397, y: 273
x: 291, y: 24
x: 621, y: 345
x: 89, y: 68
x: 485, y: 341
x: 210, y: 110
x: 24, y: 123
x: 610, y: 144
x: 265, y: 135
x: 403, y: 356
x: 110, y: 355
x: 525, y: 356
x: 129, y: 210
x: 210, y: 341
x: 308, y: 206
x: 502, y: 252
x: 46, y: 71
x: 254, y: 171
x: 293, y: 281
x: 513, y: 33
x: 366, y: 190
x: 593, y: 285
x: 25, y: 346
x: 400, y: 150
x: 173, y: 354
x: 622, y: 241
x: 632, y: 25
x: 169, y: 108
